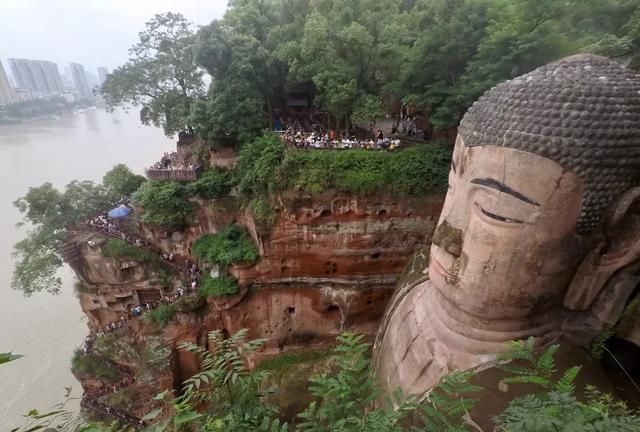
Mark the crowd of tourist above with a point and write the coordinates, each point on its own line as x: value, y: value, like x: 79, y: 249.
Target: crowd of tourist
x: 111, y: 228
x: 193, y: 273
x: 332, y: 140
x: 92, y: 402
x: 103, y: 221
x: 171, y: 161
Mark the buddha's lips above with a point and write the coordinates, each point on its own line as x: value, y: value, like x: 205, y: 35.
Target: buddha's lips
x: 439, y: 268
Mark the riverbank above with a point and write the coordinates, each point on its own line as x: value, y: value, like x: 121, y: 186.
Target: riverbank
x: 46, y: 329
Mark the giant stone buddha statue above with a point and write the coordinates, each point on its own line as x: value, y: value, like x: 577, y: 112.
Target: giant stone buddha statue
x: 541, y: 213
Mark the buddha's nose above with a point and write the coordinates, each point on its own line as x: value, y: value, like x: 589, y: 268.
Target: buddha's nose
x: 449, y: 238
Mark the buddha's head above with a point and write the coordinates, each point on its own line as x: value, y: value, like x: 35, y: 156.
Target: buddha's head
x: 542, y: 177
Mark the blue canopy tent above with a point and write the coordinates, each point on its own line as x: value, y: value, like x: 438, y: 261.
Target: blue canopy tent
x: 119, y: 212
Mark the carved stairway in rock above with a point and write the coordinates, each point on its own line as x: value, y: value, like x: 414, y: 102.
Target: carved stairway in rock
x: 92, y: 400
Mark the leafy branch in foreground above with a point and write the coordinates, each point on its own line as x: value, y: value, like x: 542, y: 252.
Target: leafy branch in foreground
x: 557, y: 408
x: 7, y: 357
x: 233, y: 394
x: 58, y: 416
x: 346, y: 398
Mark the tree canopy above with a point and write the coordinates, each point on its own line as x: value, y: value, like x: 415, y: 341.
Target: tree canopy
x: 121, y: 181
x: 165, y: 204
x: 47, y: 212
x: 161, y: 76
x: 358, y: 58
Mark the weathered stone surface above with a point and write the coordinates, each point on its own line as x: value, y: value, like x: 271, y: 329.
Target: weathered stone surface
x: 520, y: 249
x: 329, y: 263
x: 581, y: 112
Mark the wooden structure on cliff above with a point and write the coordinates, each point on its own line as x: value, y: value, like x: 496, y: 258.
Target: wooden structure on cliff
x: 179, y: 175
x: 185, y: 164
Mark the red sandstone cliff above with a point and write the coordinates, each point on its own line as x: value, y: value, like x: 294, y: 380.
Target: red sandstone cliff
x: 329, y: 263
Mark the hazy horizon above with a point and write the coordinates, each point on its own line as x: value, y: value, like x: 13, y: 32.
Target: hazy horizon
x: 94, y: 33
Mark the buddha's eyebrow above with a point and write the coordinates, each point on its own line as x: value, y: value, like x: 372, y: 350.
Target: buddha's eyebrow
x: 453, y: 165
x: 495, y: 184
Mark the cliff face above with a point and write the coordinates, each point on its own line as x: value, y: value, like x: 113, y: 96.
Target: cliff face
x: 328, y: 263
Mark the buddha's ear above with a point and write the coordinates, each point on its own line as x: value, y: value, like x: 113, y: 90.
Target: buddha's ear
x: 621, y: 248
x: 622, y: 212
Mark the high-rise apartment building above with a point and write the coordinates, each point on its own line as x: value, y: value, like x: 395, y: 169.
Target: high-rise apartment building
x: 7, y: 96
x: 80, y: 80
x: 102, y: 74
x: 38, y: 76
x: 52, y: 76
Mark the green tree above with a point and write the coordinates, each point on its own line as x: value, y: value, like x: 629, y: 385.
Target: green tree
x: 257, y: 166
x: 368, y: 109
x: 611, y: 29
x: 213, y: 183
x: 445, y: 35
x: 121, y: 182
x: 165, y: 204
x: 247, y: 78
x: 348, y: 50
x: 48, y: 213
x: 230, y: 246
x: 161, y: 76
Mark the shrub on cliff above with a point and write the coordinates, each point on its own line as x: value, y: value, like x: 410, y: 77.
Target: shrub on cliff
x: 161, y: 315
x: 88, y: 366
x: 414, y: 171
x: 258, y: 164
x: 165, y: 204
x: 221, y: 286
x: 231, y: 245
x: 214, y: 183
x: 115, y: 248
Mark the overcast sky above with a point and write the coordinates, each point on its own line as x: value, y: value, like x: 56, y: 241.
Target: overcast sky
x: 91, y: 32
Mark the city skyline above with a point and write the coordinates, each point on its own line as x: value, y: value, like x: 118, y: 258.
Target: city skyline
x: 26, y: 79
x: 84, y: 32
x: 80, y: 81
x: 7, y: 95
x: 36, y: 75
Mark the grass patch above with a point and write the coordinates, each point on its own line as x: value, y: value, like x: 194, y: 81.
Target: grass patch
x: 161, y: 315
x: 89, y: 366
x: 115, y: 248
x: 414, y: 171
x: 286, y: 360
x: 213, y: 183
x: 165, y: 204
x: 262, y: 211
x: 231, y: 245
x: 266, y: 166
x: 221, y: 286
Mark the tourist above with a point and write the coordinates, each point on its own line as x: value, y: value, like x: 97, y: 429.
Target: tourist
x: 379, y: 138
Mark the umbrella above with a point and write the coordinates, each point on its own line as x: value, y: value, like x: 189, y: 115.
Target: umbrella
x: 119, y: 212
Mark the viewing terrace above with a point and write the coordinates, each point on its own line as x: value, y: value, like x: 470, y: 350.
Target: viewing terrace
x: 180, y: 174
x: 181, y: 165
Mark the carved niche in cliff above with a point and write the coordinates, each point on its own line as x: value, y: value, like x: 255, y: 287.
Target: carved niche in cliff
x: 542, y: 211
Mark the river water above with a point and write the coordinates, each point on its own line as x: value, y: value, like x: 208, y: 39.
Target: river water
x: 45, y: 328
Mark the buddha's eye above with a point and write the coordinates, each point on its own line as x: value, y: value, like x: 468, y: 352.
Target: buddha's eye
x: 496, y: 216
